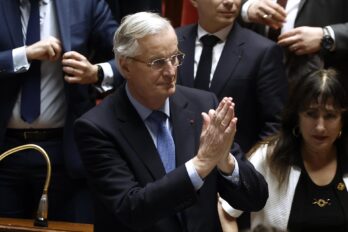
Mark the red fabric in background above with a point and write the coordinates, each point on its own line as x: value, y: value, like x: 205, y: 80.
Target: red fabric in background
x: 189, y: 13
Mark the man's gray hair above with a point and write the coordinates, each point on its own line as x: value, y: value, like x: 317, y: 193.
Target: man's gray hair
x: 134, y: 27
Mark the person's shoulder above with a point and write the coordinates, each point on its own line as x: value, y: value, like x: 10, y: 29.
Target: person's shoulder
x: 101, y: 111
x: 183, y: 30
x: 255, y: 39
x: 188, y: 91
x: 194, y: 96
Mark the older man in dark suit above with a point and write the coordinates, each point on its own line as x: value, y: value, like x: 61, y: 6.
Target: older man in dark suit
x: 244, y: 65
x: 157, y: 154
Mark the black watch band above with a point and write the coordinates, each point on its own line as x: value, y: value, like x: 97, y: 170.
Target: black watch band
x: 327, y: 42
x: 100, y: 75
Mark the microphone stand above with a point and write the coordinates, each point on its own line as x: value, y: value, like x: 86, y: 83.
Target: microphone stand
x: 41, y: 215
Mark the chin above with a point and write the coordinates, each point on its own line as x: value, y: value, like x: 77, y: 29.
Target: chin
x: 171, y: 90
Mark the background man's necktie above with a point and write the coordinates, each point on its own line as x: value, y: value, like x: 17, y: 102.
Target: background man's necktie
x: 274, y: 33
x: 165, y: 142
x: 204, y: 67
x: 30, y: 100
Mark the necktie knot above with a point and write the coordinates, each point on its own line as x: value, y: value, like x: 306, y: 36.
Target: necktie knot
x: 158, y: 116
x: 209, y: 40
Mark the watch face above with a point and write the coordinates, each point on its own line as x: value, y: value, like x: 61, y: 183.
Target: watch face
x: 327, y: 42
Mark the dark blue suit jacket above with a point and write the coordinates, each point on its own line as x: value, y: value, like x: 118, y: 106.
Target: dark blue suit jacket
x: 132, y: 191
x: 251, y: 71
x: 83, y: 25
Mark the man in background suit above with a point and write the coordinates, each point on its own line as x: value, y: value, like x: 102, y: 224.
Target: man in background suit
x: 245, y: 66
x: 120, y: 146
x: 313, y: 33
x: 69, y: 30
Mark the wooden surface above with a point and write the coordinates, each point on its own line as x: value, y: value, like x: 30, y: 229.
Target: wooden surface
x: 19, y: 225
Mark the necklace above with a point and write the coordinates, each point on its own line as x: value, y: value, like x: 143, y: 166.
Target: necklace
x: 321, y: 202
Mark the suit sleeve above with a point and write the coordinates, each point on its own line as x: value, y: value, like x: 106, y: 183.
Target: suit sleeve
x: 6, y: 63
x: 341, y: 36
x: 258, y: 161
x: 252, y: 192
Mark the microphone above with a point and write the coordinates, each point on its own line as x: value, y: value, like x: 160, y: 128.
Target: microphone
x: 42, y: 211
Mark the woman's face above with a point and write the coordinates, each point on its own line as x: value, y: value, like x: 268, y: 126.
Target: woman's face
x: 320, y: 126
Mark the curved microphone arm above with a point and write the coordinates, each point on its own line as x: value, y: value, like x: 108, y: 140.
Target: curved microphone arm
x: 41, y: 217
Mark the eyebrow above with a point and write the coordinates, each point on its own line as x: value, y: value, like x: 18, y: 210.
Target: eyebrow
x: 164, y: 57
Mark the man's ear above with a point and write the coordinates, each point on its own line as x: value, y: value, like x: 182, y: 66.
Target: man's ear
x: 194, y: 3
x: 123, y: 65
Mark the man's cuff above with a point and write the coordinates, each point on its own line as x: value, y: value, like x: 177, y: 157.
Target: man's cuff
x: 234, y: 177
x: 332, y: 34
x: 229, y: 209
x: 107, y: 83
x: 20, y: 61
x: 196, y: 180
x: 244, y: 11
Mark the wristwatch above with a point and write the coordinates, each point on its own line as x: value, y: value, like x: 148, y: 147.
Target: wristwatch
x: 100, y: 75
x: 327, y: 42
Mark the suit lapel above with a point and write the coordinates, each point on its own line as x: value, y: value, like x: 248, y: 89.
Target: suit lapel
x: 230, y: 57
x: 63, y: 15
x: 300, y: 7
x: 137, y: 135
x: 12, y: 16
x: 187, y: 45
x: 184, y: 124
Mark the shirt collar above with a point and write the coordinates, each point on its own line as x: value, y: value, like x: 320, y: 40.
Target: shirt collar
x: 221, y: 34
x: 142, y: 110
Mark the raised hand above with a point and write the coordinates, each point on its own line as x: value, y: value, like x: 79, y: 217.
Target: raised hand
x: 219, y: 128
x: 78, y: 69
x: 302, y: 40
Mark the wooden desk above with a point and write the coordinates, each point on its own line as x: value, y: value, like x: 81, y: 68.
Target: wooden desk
x: 23, y: 225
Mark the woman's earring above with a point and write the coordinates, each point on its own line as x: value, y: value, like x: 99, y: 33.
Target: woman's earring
x: 339, y: 134
x: 296, y: 131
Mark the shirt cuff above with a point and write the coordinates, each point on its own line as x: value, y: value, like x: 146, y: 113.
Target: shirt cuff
x: 332, y: 34
x: 234, y: 177
x: 20, y: 61
x: 196, y: 180
x: 229, y: 209
x: 107, y: 83
x: 244, y: 12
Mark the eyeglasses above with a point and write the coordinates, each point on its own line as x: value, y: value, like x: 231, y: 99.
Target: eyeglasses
x: 158, y: 64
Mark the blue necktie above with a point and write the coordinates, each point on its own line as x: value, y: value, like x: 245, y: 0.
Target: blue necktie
x: 30, y: 100
x: 165, y: 142
x: 204, y: 66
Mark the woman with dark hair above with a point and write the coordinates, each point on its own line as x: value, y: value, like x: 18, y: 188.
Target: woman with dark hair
x: 306, y: 163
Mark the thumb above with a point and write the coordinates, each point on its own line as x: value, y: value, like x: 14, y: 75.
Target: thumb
x: 206, y: 121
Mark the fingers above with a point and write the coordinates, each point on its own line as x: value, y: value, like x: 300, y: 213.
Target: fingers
x: 267, y: 12
x: 54, y: 50
x: 224, y: 113
x: 77, y: 68
x: 46, y: 49
x: 206, y: 120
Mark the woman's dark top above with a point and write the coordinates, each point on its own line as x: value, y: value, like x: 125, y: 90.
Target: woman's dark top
x: 320, y: 208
